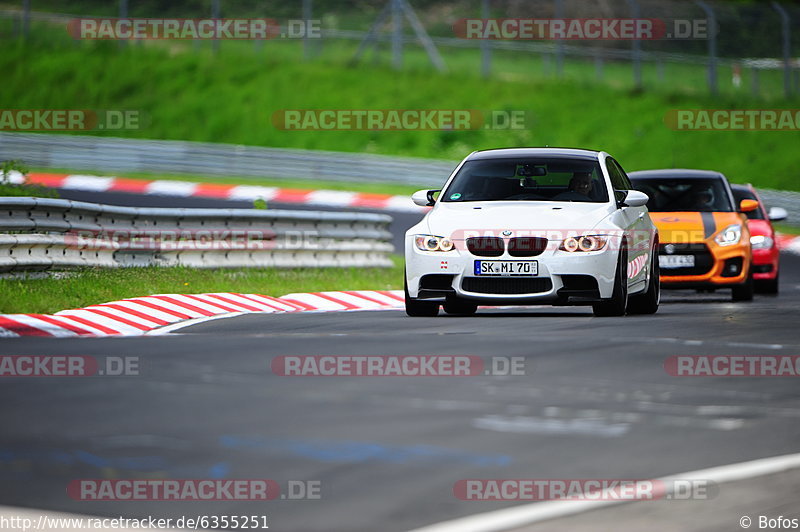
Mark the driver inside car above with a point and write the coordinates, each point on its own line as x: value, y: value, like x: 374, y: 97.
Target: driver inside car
x: 580, y: 188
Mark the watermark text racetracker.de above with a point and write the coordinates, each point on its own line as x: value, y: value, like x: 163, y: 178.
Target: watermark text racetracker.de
x: 603, y: 29
x: 193, y: 28
x: 400, y: 119
x: 592, y: 489
x: 733, y: 119
x: 194, y: 490
x: 396, y: 366
x: 205, y: 239
x: 733, y: 365
x: 68, y: 366
x: 70, y: 119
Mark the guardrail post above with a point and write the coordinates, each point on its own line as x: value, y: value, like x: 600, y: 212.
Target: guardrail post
x: 123, y: 13
x: 786, y: 32
x: 307, y: 14
x: 754, y: 82
x: 598, y: 65
x: 215, y: 14
x: 559, y: 8
x: 26, y: 18
x: 712, y: 46
x: 397, y: 34
x: 486, y: 44
x: 636, y: 49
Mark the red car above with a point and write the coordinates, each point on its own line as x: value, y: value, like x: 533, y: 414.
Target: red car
x: 766, y: 258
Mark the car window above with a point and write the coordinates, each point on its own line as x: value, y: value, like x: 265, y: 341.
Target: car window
x: 528, y: 179
x: 740, y: 194
x: 685, y: 194
x: 622, y: 176
x: 619, y: 180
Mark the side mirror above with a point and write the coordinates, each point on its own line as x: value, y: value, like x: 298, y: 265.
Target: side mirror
x: 776, y: 214
x: 635, y: 198
x: 424, y: 198
x: 748, y: 205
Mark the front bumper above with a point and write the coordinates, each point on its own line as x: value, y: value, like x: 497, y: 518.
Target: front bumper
x: 716, y: 266
x: 765, y: 263
x: 563, y: 278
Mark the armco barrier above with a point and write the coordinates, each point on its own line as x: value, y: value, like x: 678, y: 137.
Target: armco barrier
x: 118, y: 155
x: 43, y: 233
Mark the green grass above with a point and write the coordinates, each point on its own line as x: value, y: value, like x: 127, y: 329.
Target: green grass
x: 190, y: 94
x: 786, y: 229
x: 351, y: 186
x: 7, y: 189
x: 92, y: 286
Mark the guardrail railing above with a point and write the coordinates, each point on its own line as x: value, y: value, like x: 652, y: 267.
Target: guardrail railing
x: 112, y: 154
x: 44, y: 233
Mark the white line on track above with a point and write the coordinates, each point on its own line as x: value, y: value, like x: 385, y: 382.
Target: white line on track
x: 188, y: 323
x: 518, y: 516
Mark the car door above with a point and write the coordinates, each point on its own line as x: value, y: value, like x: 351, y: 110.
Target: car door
x: 636, y: 225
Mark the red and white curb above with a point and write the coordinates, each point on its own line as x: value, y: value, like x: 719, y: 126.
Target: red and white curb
x: 162, y: 187
x: 141, y: 315
x: 790, y: 243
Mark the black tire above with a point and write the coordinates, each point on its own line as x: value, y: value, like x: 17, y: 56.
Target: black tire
x: 459, y: 307
x: 769, y: 286
x: 617, y: 303
x: 744, y: 292
x: 420, y: 309
x: 647, y: 303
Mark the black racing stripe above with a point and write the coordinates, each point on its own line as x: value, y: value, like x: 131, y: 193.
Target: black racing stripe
x: 709, y: 224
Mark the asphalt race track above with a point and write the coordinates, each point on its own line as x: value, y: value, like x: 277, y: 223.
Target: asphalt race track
x: 595, y: 402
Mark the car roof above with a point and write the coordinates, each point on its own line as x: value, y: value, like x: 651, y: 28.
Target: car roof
x: 512, y: 153
x: 676, y: 173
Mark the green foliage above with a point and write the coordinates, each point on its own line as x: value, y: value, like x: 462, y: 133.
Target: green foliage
x: 191, y: 94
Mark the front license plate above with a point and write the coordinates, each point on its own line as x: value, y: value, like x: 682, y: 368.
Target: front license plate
x: 506, y: 267
x: 676, y: 261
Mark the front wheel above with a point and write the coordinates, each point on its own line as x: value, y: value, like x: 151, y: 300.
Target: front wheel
x: 744, y: 292
x: 419, y: 309
x: 616, y: 304
x: 770, y: 286
x: 647, y: 303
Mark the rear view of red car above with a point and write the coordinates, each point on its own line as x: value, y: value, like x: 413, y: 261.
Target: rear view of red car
x: 766, y: 257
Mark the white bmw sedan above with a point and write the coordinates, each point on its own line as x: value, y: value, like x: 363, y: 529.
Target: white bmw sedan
x: 532, y: 226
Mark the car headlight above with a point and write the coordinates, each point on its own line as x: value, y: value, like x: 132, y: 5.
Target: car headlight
x: 584, y: 243
x: 761, y: 242
x: 433, y: 243
x: 729, y: 236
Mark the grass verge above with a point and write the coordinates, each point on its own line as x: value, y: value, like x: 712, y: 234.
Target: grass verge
x: 786, y: 229
x: 85, y: 287
x: 7, y: 189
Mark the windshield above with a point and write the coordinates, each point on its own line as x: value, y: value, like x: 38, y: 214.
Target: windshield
x: 740, y: 194
x: 528, y: 179
x: 685, y: 195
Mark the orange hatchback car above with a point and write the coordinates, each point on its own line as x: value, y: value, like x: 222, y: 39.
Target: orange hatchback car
x: 703, y: 233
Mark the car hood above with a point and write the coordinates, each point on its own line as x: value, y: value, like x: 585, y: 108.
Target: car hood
x: 451, y: 219
x: 683, y: 227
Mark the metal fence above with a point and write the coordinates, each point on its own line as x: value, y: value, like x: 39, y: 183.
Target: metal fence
x: 43, y: 233
x: 748, y: 47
